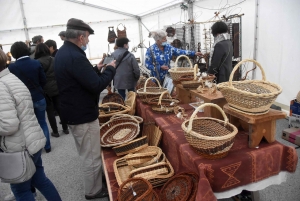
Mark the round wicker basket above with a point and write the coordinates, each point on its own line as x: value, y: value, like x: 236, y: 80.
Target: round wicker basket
x: 195, y: 180
x: 164, y: 104
x: 177, y: 72
x: 253, y: 97
x: 211, y: 138
x: 107, y: 110
x: 126, y: 116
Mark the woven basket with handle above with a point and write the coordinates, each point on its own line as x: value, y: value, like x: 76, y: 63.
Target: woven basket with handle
x: 132, y: 146
x: 253, y: 97
x: 211, y: 138
x: 192, y: 84
x: 107, y: 110
x: 164, y: 104
x: 177, y: 72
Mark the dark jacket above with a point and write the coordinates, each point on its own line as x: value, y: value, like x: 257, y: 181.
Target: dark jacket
x: 51, y: 86
x: 54, y: 53
x: 79, y: 84
x: 30, y: 69
x: 128, y: 72
x: 221, y: 62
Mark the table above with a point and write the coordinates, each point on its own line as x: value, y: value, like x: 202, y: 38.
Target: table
x: 183, y: 94
x: 216, y: 98
x: 243, y: 166
x: 259, y: 126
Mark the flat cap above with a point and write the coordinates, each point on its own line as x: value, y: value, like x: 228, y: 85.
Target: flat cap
x: 77, y: 24
x: 62, y: 33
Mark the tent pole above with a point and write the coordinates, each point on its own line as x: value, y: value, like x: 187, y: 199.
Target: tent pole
x: 24, y: 20
x: 141, y: 40
x: 255, y: 36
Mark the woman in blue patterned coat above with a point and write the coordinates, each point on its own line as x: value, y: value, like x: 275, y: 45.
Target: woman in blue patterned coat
x: 162, y: 53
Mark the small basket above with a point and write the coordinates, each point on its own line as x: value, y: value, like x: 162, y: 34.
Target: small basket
x: 192, y: 84
x: 211, y: 138
x: 253, y: 97
x: 107, y: 110
x: 126, y: 116
x: 164, y: 105
x: 147, y: 93
x: 178, y: 187
x: 113, y: 98
x: 132, y: 146
x: 141, y: 83
x: 177, y: 72
x: 195, y: 181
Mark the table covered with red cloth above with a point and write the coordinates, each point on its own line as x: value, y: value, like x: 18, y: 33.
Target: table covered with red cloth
x: 241, y: 167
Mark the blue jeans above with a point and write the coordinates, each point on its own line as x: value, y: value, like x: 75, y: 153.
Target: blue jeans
x: 39, y: 180
x: 122, y: 92
x: 40, y: 113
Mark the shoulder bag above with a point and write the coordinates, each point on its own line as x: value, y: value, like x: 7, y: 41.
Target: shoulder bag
x: 111, y: 35
x: 121, y: 33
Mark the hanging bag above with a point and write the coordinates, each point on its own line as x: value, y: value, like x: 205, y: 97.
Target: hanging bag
x: 121, y: 33
x: 111, y: 35
x: 170, y: 31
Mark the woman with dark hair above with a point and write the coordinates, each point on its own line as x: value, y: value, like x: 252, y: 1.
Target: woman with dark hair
x: 220, y: 60
x: 42, y: 54
x: 31, y: 73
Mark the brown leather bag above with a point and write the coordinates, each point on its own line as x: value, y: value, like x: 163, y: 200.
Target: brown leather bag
x: 170, y: 31
x: 111, y: 35
x: 121, y: 33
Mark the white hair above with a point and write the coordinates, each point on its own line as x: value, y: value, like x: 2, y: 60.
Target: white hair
x: 158, y: 34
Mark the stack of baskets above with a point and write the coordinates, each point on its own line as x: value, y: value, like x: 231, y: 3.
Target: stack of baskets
x: 177, y: 72
x: 253, y: 97
x: 211, y: 138
x: 192, y: 84
x: 149, y: 163
x: 164, y: 104
x: 148, y: 93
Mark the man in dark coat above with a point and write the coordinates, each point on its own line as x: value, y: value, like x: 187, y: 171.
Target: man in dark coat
x: 221, y: 54
x: 80, y: 85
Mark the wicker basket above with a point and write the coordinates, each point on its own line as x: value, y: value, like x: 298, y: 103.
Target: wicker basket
x: 126, y: 116
x: 177, y: 72
x: 113, y: 98
x: 177, y: 188
x: 164, y: 105
x: 192, y: 84
x: 141, y: 83
x: 212, y: 138
x: 253, y: 97
x: 153, y: 134
x: 147, y: 93
x: 120, y: 133
x: 132, y: 146
x: 195, y: 180
x: 131, y: 101
x: 107, y: 110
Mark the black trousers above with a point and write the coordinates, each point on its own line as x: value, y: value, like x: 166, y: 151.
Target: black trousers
x: 52, y: 104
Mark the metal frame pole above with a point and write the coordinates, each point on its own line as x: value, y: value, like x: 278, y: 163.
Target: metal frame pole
x: 255, y: 36
x: 24, y: 20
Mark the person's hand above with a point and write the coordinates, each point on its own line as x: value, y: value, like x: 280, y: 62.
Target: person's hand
x: 198, y: 54
x: 100, y: 65
x: 164, y: 67
x: 113, y: 64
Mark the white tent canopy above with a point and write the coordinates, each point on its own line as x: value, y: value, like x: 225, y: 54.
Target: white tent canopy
x: 268, y: 24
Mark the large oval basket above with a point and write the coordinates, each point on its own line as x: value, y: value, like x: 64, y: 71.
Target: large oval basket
x: 211, y: 138
x: 253, y: 97
x: 177, y: 72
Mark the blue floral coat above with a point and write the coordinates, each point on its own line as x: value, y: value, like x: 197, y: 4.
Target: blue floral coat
x: 163, y: 58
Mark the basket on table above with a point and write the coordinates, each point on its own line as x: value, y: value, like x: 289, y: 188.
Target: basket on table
x: 136, y: 189
x: 119, y: 131
x: 131, y: 101
x: 195, y: 180
x: 211, y: 138
x: 253, y: 97
x: 147, y: 93
x: 192, y: 84
x: 113, y: 98
x: 132, y: 146
x: 141, y: 83
x: 107, y: 110
x: 164, y: 104
x: 177, y: 72
x: 127, y: 116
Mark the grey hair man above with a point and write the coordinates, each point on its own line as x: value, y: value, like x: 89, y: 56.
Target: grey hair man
x: 80, y: 85
x: 62, y: 35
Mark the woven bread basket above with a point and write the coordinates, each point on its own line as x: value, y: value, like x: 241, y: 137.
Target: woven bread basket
x: 141, y: 83
x: 211, y: 138
x: 147, y: 93
x: 107, y: 110
x: 253, y: 97
x: 177, y: 72
x: 132, y: 146
x: 164, y: 104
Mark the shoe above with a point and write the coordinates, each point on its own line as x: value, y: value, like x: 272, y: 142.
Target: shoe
x: 102, y: 194
x: 48, y: 150
x: 55, y: 134
x: 10, y: 197
x: 66, y: 131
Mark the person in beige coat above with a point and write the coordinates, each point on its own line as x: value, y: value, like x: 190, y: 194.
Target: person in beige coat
x: 18, y: 122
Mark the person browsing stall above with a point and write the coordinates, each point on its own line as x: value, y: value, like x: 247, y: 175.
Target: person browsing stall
x: 159, y: 55
x: 80, y: 85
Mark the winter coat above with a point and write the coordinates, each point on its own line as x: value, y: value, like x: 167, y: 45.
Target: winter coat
x: 50, y: 87
x: 27, y: 68
x: 79, y: 84
x: 128, y: 72
x: 17, y: 117
x: 221, y: 62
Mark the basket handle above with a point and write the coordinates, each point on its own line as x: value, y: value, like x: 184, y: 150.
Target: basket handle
x: 195, y: 71
x: 112, y: 103
x: 146, y: 82
x: 191, y: 65
x: 161, y: 96
x: 240, y: 63
x: 189, y: 129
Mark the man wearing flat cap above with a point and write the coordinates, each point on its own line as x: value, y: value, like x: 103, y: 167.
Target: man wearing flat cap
x: 80, y: 85
x: 62, y: 35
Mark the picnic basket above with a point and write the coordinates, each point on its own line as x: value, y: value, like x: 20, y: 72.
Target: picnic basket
x: 178, y: 72
x: 107, y: 110
x: 211, y: 138
x: 164, y: 104
x: 253, y: 97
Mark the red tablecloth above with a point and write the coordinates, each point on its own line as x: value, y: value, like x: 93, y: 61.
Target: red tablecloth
x: 241, y: 167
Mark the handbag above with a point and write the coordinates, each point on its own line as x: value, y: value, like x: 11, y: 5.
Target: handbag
x: 111, y: 35
x: 121, y: 33
x: 170, y: 31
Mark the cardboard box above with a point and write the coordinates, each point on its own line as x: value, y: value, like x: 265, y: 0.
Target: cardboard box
x: 295, y: 108
x: 292, y: 135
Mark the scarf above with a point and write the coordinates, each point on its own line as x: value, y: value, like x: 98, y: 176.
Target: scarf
x: 217, y: 39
